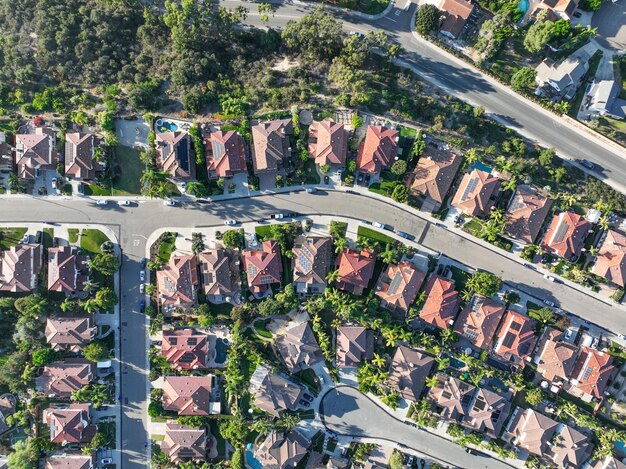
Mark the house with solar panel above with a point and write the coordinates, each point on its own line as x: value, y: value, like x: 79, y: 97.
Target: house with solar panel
x: 174, y: 155
x: 515, y: 339
x: 263, y: 268
x: 312, y: 257
x: 477, y: 194
x: 225, y: 154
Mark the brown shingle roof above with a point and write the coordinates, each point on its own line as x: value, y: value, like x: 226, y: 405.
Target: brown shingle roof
x: 532, y: 431
x: 184, y: 443
x: 174, y: 155
x: 476, y: 193
x: 69, y: 333
x: 298, y: 347
x: 556, y: 358
x: 434, y: 174
x: 479, y: 320
x: 20, y: 267
x: 273, y: 393
x: 456, y: 13
x: 611, y: 260
x: 68, y: 270
x: 408, y: 372
x: 35, y: 151
x: 220, y: 273
x: 571, y: 450
x: 185, y: 349
x: 442, y: 302
x: 328, y: 143
x: 592, y: 372
x: 226, y: 154
x: 270, y: 144
x: 516, y: 337
x: 311, y: 262
x: 452, y: 396
x: 263, y: 268
x: 378, y: 149
x: 355, y: 270
x: 69, y: 461
x: 60, y: 379
x: 79, y: 155
x: 177, y: 283
x: 70, y: 424
x: 355, y: 344
x: 526, y: 213
x: 487, y: 412
x: 398, y: 286
x: 566, y: 235
x: 281, y: 452
x: 188, y: 395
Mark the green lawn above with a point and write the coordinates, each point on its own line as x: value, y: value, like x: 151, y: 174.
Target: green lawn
x: 530, y: 306
x: 309, y: 378
x: 259, y: 327
x: 93, y: 189
x: 366, y: 232
x: 72, y: 234
x: 11, y: 236
x: 129, y: 173
x: 168, y: 244
x: 408, y: 132
x: 310, y: 171
x: 473, y: 227
x: 263, y: 232
x: 90, y: 240
x: 384, y: 186
x: 615, y: 129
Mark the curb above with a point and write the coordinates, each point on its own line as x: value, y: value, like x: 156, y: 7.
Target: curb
x: 360, y: 14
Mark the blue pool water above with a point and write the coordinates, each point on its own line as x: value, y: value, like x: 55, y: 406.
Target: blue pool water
x: 221, y: 348
x: 250, y: 459
x: 167, y: 126
x: 523, y: 6
x: 620, y: 446
x: 482, y: 167
x: 455, y: 363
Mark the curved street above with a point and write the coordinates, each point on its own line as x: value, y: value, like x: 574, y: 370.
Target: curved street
x: 346, y: 411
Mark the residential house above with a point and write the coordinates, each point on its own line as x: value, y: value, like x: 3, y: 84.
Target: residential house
x: 487, y: 413
x: 184, y: 349
x: 225, y: 154
x: 69, y: 461
x: 477, y: 193
x: 35, y: 152
x: 263, y: 268
x: 174, y: 155
x: 190, y: 395
x: 526, y: 214
x: 328, y: 143
x: 609, y: 462
x: 561, y: 79
x: 455, y: 13
x: 80, y: 156
x: 270, y: 145
x: 70, y: 424
x: 566, y: 235
x: 68, y: 270
x: 553, y: 442
x: 274, y: 393
x: 433, y: 176
x: 408, y: 371
x: 20, y: 267
x: 355, y: 270
x: 592, y: 373
x: 70, y: 334
x: 220, y: 275
x: 378, y: 150
x: 298, y: 347
x: 280, y: 451
x: 603, y: 100
x: 451, y: 397
x: 355, y: 345
x: 8, y: 406
x: 184, y: 443
x: 61, y: 379
x: 442, y: 302
x: 516, y: 338
x: 560, y: 9
x: 479, y: 320
x: 611, y: 260
x: 312, y: 257
x: 398, y: 286
x: 6, y: 154
x: 177, y: 284
x: 556, y: 358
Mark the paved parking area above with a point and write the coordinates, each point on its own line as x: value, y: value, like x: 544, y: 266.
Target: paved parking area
x: 610, y: 21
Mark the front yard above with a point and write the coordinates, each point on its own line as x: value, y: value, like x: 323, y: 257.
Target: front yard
x: 91, y: 240
x: 128, y: 171
x: 365, y: 232
x: 9, y: 237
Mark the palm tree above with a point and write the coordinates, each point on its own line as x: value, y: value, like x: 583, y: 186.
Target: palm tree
x: 472, y: 156
x: 15, y: 183
x: 442, y: 363
x: 376, y: 324
x: 432, y: 381
x: 448, y: 335
x: 389, y: 256
x: 91, y: 306
x: 332, y: 276
x: 466, y: 295
x: 568, y: 198
x: 335, y: 324
x: 340, y: 245
x: 604, y: 221
x: 90, y: 285
x: 378, y: 361
x: 510, y: 185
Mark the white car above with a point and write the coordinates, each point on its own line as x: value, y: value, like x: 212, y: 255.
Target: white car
x: 183, y: 187
x: 125, y: 203
x: 311, y: 190
x: 142, y: 275
x: 102, y: 202
x: 230, y: 222
x: 106, y: 461
x: 378, y: 225
x: 549, y: 277
x: 549, y: 303
x: 169, y: 203
x: 54, y: 183
x: 142, y: 287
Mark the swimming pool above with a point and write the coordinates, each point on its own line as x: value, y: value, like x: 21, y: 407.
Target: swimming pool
x: 166, y: 126
x: 250, y: 459
x: 221, y: 347
x: 523, y: 6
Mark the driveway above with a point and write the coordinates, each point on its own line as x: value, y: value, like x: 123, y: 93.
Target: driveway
x: 347, y: 412
x: 610, y: 20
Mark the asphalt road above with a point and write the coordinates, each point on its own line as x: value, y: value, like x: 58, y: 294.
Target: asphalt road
x: 134, y: 224
x: 348, y: 412
x: 467, y: 83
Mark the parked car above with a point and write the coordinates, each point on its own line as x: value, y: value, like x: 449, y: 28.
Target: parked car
x: 308, y: 397
x: 142, y: 275
x: 144, y: 261
x: 125, y: 203
x: 549, y: 303
x: 305, y: 403
x: 568, y: 334
x: 278, y: 216
x: 549, y: 277
x: 142, y: 287
x: 102, y: 202
x: 587, y: 164
x: 26, y: 239
x: 54, y: 183
x: 169, y: 203
x: 183, y: 187
x: 404, y: 235
x: 350, y: 191
x: 230, y: 222
x: 440, y: 225
x: 106, y: 461
x: 311, y: 190
x: 378, y: 225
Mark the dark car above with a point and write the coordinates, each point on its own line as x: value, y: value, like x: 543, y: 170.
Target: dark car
x: 440, y: 225
x: 305, y: 403
x: 350, y: 191
x: 475, y: 452
x: 143, y: 262
x: 587, y: 164
x: 404, y: 235
x: 308, y: 397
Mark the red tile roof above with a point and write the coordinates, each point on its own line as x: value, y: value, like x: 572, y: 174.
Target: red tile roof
x: 188, y: 395
x: 398, y: 286
x: 442, y: 302
x: 71, y: 424
x: 355, y: 270
x: 457, y: 13
x: 79, y: 155
x: 68, y: 270
x: 566, y: 235
x: 592, y: 372
x: 516, y: 337
x: 185, y: 349
x: 328, y: 143
x: 280, y: 451
x: 220, y: 273
x: 526, y: 213
x: 226, y: 154
x: 476, y: 193
x: 270, y: 144
x: 265, y: 267
x: 174, y: 155
x: 479, y: 320
x: 178, y: 283
x: 312, y: 257
x: 611, y: 260
x: 532, y: 431
x: 20, y: 267
x: 378, y: 150
x: 35, y: 151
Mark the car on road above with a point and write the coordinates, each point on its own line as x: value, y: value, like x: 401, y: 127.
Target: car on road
x: 474, y: 452
x: 106, y: 461
x: 230, y: 222
x: 144, y: 261
x: 307, y: 396
x: 142, y: 305
x: 204, y: 201
x: 549, y: 277
x: 311, y: 190
x: 169, y: 203
x: 142, y: 287
x: 102, y: 202
x: 350, y: 191
x: 549, y: 303
x: 124, y: 203
x: 587, y: 164
x: 278, y: 216
x: 142, y: 275
x: 378, y: 225
x: 404, y: 235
